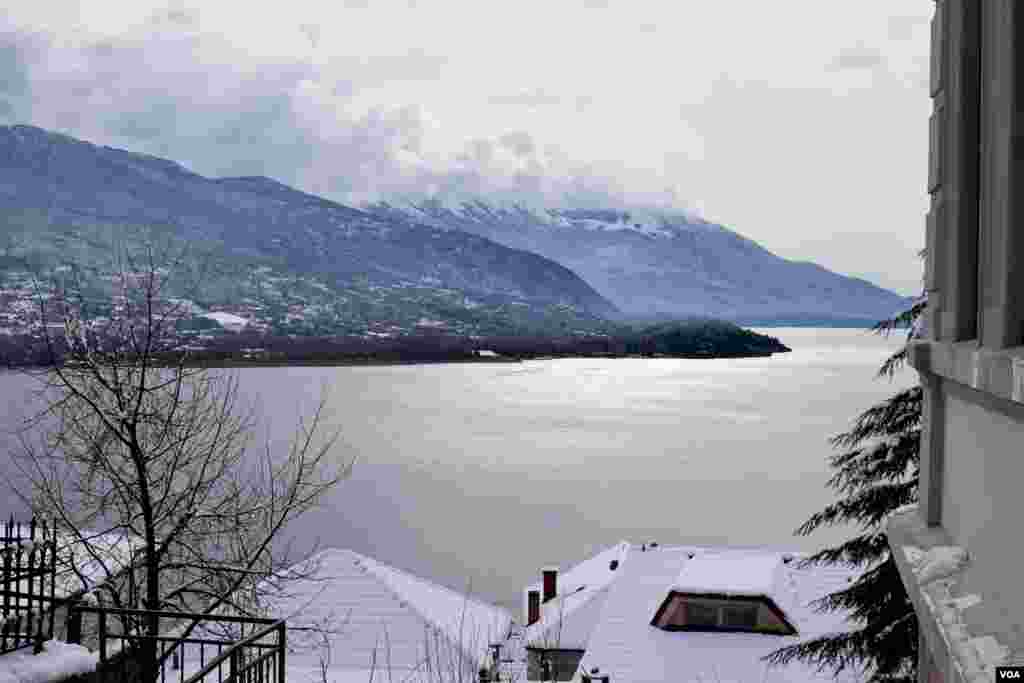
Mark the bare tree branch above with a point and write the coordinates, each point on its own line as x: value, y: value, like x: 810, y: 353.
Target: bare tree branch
x: 132, y: 441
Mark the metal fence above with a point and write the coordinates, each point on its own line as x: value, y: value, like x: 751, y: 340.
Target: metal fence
x: 187, y: 647
x: 28, y: 576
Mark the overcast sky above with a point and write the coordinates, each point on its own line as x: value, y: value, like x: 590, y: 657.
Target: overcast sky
x: 799, y: 124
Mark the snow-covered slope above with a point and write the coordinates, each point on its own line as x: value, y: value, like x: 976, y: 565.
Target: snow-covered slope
x: 658, y: 262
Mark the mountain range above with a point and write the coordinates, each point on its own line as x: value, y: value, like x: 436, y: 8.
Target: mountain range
x: 666, y: 264
x: 302, y: 263
x: 298, y: 260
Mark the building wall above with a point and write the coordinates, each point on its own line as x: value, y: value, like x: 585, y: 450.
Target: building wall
x: 971, y: 361
x: 983, y: 499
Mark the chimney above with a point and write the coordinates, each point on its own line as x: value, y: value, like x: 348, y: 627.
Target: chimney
x: 532, y: 607
x: 550, y: 575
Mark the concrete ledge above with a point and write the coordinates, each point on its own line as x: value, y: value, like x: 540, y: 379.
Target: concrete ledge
x: 996, y: 372
x: 907, y: 529
x: 955, y: 612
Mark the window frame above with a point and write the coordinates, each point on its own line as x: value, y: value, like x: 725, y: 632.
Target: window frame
x: 678, y: 600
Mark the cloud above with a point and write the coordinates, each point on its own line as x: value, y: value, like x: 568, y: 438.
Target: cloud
x: 175, y: 17
x: 519, y: 142
x: 17, y: 52
x: 311, y: 31
x: 857, y: 58
x: 375, y: 70
x: 193, y: 98
x: 532, y: 98
x: 904, y: 27
x: 537, y: 101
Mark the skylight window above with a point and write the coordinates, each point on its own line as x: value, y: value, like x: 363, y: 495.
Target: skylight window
x: 712, y: 612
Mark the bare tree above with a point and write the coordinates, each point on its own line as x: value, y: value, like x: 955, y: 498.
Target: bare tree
x: 136, y: 442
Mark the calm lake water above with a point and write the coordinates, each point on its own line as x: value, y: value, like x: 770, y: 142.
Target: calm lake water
x: 479, y: 474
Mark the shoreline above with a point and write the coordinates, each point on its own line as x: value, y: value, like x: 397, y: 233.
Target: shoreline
x: 310, y: 362
x: 353, y: 362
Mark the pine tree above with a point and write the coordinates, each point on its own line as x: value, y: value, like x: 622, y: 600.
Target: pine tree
x: 875, y: 473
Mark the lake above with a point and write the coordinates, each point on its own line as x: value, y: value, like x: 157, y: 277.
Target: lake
x: 479, y: 474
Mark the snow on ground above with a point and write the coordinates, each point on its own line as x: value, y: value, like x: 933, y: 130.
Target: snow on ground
x: 57, y: 661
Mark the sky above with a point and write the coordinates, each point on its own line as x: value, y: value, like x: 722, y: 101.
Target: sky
x: 799, y: 124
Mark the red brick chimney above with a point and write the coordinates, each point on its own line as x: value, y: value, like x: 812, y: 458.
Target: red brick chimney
x: 550, y: 575
x: 532, y: 607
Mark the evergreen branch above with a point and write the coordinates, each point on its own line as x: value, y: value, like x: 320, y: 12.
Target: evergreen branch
x: 876, y: 473
x: 867, y: 507
x: 858, y: 551
x: 895, y: 415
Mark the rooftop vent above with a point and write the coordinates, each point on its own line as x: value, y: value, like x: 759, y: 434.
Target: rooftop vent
x: 613, y: 565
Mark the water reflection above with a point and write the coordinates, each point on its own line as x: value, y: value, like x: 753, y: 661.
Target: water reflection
x: 482, y: 473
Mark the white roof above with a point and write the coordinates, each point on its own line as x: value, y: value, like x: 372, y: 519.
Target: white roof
x: 79, y: 568
x: 568, y: 628
x: 567, y: 620
x: 626, y: 646
x: 384, y: 618
x: 226, y: 318
x: 85, y: 565
x: 752, y: 575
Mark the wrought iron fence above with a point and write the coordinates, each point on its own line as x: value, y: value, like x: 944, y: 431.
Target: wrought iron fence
x: 192, y: 648
x: 28, y: 576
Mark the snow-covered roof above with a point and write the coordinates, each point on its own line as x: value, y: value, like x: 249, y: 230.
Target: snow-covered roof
x: 226, y: 319
x: 592, y: 572
x: 374, y: 616
x: 567, y: 620
x: 626, y: 646
x: 84, y: 568
x: 79, y: 568
x: 749, y: 575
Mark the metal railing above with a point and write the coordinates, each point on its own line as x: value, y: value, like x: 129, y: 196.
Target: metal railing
x: 197, y: 648
x: 28, y: 576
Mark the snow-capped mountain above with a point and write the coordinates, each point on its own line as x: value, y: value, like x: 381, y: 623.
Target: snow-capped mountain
x: 663, y: 263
